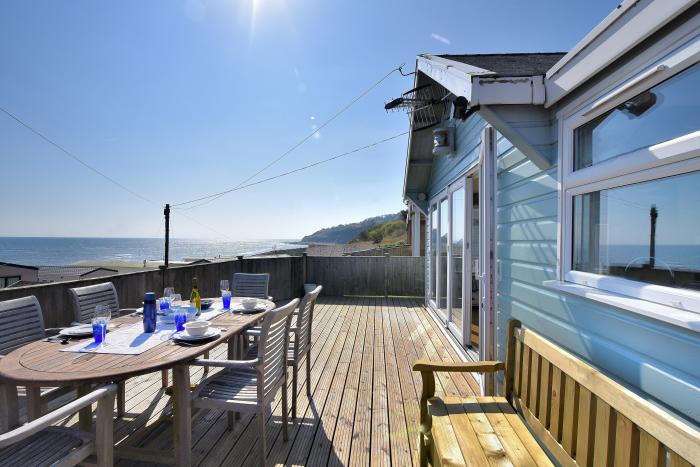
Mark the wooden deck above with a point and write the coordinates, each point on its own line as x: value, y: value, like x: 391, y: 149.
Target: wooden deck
x: 364, y: 408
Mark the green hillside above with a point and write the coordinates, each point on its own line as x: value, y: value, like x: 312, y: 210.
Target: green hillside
x: 388, y: 233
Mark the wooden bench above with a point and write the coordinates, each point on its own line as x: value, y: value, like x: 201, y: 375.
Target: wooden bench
x: 556, y: 409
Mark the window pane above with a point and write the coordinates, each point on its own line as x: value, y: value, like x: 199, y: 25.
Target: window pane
x: 648, y: 232
x: 668, y: 110
x: 458, y: 207
x: 433, y: 250
x: 444, y: 225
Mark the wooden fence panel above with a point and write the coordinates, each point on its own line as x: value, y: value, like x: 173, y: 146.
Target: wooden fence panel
x: 368, y: 275
x: 347, y: 275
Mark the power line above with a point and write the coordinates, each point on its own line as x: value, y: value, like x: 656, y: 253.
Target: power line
x: 215, y: 196
x: 98, y: 172
x: 299, y: 169
x: 73, y: 156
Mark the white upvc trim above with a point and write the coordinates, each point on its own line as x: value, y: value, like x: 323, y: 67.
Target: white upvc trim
x: 478, y: 87
x: 448, y: 73
x: 666, y: 159
x: 631, y: 23
x: 677, y: 317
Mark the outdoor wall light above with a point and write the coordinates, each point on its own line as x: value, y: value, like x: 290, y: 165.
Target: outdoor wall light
x: 443, y: 141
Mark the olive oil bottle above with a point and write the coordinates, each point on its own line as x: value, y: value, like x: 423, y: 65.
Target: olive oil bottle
x: 195, y: 298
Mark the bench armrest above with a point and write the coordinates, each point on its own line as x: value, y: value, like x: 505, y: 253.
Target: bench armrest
x: 427, y: 371
x: 103, y: 395
x: 486, y: 366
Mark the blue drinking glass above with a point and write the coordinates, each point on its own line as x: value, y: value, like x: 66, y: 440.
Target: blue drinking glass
x: 226, y: 299
x: 180, y: 317
x: 99, y: 330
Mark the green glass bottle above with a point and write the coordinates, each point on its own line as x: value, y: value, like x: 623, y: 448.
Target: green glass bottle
x: 195, y: 298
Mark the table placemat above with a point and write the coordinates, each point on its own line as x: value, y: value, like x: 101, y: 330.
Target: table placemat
x: 128, y: 340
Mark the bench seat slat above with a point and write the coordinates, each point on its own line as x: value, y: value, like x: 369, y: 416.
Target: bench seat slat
x: 466, y: 436
x: 481, y: 431
x: 444, y: 443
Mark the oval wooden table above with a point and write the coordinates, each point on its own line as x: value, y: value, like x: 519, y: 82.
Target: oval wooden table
x: 43, y: 364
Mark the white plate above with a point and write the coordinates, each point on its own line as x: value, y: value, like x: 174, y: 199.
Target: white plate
x: 241, y: 309
x: 84, y: 330
x: 183, y: 336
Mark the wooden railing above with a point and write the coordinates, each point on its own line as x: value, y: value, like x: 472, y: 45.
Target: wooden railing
x: 339, y: 276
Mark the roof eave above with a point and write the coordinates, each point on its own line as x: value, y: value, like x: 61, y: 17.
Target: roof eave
x: 624, y: 28
x: 480, y: 86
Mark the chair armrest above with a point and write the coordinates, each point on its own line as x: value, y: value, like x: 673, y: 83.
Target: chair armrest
x: 233, y: 364
x: 252, y: 332
x: 427, y: 372
x: 25, y: 431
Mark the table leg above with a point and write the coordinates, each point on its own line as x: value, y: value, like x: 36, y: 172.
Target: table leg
x: 9, y: 407
x: 33, y: 402
x: 85, y: 415
x: 182, y: 414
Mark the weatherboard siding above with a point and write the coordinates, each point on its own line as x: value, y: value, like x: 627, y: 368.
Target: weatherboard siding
x: 445, y: 170
x: 656, y: 357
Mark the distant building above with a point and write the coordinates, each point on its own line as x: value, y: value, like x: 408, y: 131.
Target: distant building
x: 11, y: 274
x: 72, y: 273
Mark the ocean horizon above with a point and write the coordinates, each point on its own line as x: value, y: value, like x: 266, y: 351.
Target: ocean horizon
x: 61, y: 251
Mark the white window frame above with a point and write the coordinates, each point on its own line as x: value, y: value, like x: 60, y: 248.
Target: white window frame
x: 678, y: 156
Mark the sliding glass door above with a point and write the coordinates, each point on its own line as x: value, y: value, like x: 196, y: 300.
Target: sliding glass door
x: 449, y: 272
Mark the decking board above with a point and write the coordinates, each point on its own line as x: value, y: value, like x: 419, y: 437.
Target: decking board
x: 365, y: 396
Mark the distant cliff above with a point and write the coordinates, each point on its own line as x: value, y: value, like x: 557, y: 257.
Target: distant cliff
x: 346, y: 232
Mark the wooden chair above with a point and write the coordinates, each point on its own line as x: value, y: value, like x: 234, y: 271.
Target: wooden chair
x: 250, y: 285
x: 552, y: 399
x: 22, y: 322
x: 85, y: 299
x: 251, y: 385
x: 39, y: 443
x: 300, y: 344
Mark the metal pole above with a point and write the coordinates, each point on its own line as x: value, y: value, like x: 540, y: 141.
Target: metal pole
x: 166, y: 212
x: 653, y: 214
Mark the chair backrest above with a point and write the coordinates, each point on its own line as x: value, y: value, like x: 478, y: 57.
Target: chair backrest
x: 584, y: 417
x: 250, y: 285
x: 272, y: 349
x: 305, y: 319
x: 21, y: 322
x: 85, y: 299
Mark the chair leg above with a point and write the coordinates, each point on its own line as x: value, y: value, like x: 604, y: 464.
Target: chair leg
x: 121, y: 399
x: 104, y: 432
x: 231, y: 420
x: 263, y: 436
x: 294, y: 391
x: 164, y: 378
x: 33, y: 402
x: 206, y: 367
x: 9, y: 407
x: 285, y: 414
x: 308, y: 374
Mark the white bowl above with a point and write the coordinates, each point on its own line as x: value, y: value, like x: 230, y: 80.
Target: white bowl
x: 249, y: 303
x: 197, y: 328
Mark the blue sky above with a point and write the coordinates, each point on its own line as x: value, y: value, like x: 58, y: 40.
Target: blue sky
x: 177, y: 99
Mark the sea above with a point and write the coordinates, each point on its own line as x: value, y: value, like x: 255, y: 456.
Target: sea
x: 62, y: 251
